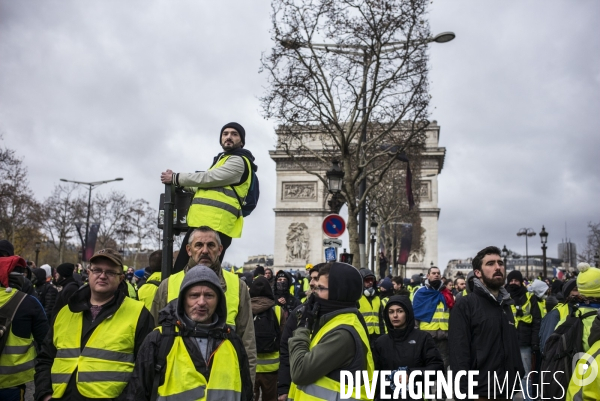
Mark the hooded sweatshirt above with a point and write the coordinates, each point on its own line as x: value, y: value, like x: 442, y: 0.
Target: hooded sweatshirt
x: 407, y: 348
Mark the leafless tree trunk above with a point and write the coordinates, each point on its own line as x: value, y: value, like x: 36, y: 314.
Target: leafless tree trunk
x: 592, y: 247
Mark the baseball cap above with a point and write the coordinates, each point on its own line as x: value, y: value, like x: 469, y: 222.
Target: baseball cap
x: 109, y: 254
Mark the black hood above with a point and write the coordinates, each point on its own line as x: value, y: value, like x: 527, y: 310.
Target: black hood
x: 288, y: 276
x: 364, y: 272
x: 237, y: 152
x: 405, y: 303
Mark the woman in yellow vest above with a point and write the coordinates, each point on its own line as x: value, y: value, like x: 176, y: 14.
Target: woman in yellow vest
x: 193, y: 354
x: 331, y: 336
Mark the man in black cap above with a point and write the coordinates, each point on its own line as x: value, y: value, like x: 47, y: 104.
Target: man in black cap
x: 219, y: 192
x: 64, y: 278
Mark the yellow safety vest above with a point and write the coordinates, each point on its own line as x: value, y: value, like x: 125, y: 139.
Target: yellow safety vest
x: 147, y: 292
x: 587, y: 324
x: 464, y: 292
x: 526, y: 308
x: 439, y: 321
x: 542, y: 306
x: 105, y: 364
x: 584, y: 386
x: 184, y: 382
x: 269, y: 362
x: 218, y: 207
x: 325, y: 388
x: 17, y: 361
x: 370, y: 311
x: 131, y: 290
x: 232, y: 295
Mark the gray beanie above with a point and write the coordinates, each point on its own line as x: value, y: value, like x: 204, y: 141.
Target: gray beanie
x: 201, y: 274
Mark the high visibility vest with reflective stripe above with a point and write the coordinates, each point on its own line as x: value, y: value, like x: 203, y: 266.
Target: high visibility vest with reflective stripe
x: 370, y: 311
x: 269, y: 362
x: 131, y: 291
x: 105, y: 364
x: 439, y: 321
x: 587, y: 324
x: 17, y: 362
x: 325, y: 388
x: 232, y: 295
x: 583, y: 386
x: 219, y: 207
x: 542, y: 306
x: 526, y: 308
x: 184, y: 383
x: 147, y: 292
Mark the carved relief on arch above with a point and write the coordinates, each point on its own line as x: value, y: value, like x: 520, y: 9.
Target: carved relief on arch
x: 298, y: 243
x: 299, y: 191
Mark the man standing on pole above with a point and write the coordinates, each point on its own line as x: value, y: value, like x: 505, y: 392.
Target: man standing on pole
x: 219, y: 191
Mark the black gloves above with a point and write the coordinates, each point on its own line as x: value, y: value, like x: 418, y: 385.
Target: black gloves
x: 307, y: 315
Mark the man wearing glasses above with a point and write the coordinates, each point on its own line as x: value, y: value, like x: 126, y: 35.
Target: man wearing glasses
x: 90, y: 349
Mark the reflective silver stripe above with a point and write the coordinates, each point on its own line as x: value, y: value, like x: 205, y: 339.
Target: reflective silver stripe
x: 267, y: 361
x: 439, y: 320
x: 229, y: 192
x: 16, y: 349
x: 322, y: 392
x: 103, y: 377
x: 58, y: 378
x: 67, y: 353
x: 108, y: 355
x: 376, y: 324
x: 218, y: 204
x: 370, y: 314
x: 11, y: 370
x: 223, y: 395
x: 192, y: 394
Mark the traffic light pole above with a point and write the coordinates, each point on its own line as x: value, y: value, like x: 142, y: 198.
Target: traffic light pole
x: 167, y: 254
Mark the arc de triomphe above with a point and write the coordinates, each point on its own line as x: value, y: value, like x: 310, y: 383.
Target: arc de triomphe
x: 301, y: 205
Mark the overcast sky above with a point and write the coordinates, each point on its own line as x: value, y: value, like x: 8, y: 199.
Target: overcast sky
x: 101, y: 89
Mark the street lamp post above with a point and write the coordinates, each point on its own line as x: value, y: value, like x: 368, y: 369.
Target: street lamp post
x: 365, y: 52
x: 504, y: 254
x: 37, y: 252
x: 527, y: 232
x: 544, y: 239
x: 91, y: 185
x: 373, y: 239
x: 597, y: 259
x: 335, y: 179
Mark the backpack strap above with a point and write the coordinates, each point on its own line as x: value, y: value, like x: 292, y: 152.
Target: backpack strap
x: 7, y: 314
x: 167, y: 340
x: 155, y: 282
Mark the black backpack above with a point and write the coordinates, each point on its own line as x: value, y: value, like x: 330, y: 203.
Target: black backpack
x: 560, y: 349
x: 267, y: 332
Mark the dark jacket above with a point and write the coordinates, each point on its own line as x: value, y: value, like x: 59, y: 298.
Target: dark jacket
x: 30, y: 320
x: 284, y: 378
x: 80, y: 302
x: 408, y: 348
x: 529, y: 332
x: 483, y: 337
x: 291, y: 302
x: 69, y: 287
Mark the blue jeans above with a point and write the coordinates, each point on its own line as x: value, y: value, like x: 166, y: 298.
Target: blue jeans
x: 527, y: 361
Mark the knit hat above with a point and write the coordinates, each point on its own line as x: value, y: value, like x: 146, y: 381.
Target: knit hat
x: 40, y: 276
x: 7, y: 248
x: 259, y: 271
x: 260, y: 287
x: 139, y: 273
x: 236, y: 127
x: 386, y: 285
x: 568, y: 287
x: 65, y: 270
x: 345, y: 283
x: 588, y: 280
x: 515, y: 274
x: 202, y: 275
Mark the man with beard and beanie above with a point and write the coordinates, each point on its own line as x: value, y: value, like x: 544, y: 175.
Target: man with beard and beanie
x: 282, y: 294
x: 269, y: 321
x: 559, y: 312
x: 63, y: 278
x: 46, y: 292
x: 331, y: 337
x: 90, y: 350
x: 432, y: 304
x: 404, y: 347
x: 482, y: 330
x: 527, y: 316
x: 219, y: 192
x: 28, y: 324
x: 370, y: 305
x: 204, y: 247
x: 193, y: 354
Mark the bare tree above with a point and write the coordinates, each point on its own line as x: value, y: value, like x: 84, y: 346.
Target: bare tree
x: 362, y: 98
x: 112, y: 211
x: 59, y: 213
x: 142, y: 221
x: 592, y: 247
x: 18, y: 208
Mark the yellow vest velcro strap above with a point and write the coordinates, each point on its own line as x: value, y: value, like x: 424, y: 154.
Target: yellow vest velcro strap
x: 267, y: 361
x: 60, y: 377
x: 193, y: 394
x: 218, y: 204
x: 67, y: 353
x: 10, y: 370
x: 16, y: 349
x: 88, y: 377
x: 223, y: 395
x: 321, y: 392
x: 108, y: 355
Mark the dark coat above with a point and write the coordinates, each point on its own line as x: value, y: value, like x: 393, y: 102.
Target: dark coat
x: 409, y: 347
x: 284, y: 378
x: 482, y: 336
x: 529, y: 333
x: 291, y: 302
x: 80, y: 302
x: 69, y: 287
x: 30, y: 320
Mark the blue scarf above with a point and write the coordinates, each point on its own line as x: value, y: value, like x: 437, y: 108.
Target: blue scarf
x: 425, y: 302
